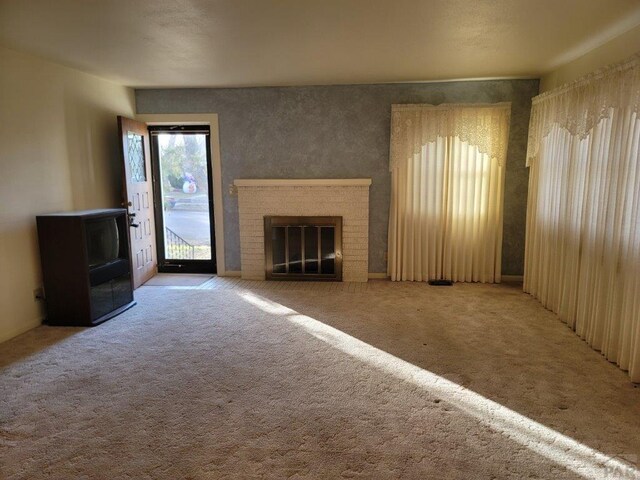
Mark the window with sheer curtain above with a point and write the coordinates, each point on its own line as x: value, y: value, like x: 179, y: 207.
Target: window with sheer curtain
x: 582, y: 255
x: 447, y: 167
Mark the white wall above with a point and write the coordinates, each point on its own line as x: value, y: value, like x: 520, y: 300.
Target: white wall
x: 614, y: 51
x: 58, y: 151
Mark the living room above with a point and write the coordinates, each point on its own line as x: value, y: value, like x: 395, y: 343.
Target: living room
x: 456, y: 298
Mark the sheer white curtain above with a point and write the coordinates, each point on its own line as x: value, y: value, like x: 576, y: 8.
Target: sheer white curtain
x: 582, y: 257
x: 447, y: 171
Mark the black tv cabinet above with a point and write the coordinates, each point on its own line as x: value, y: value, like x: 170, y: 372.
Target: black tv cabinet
x: 83, y: 288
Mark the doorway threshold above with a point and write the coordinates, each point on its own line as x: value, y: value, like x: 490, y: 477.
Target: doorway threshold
x: 178, y: 280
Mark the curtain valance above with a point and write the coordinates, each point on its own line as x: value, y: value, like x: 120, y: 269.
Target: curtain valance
x: 579, y: 106
x: 485, y: 126
x: 447, y: 192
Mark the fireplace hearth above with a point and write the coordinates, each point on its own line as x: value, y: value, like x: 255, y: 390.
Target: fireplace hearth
x: 303, y: 248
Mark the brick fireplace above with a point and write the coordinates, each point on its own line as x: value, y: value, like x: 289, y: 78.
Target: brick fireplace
x: 346, y: 198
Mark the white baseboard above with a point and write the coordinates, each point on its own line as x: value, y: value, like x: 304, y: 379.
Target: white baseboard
x: 377, y: 275
x: 512, y: 278
x: 235, y: 273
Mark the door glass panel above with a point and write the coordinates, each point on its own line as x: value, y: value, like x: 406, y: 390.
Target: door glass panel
x: 327, y: 248
x: 311, y: 249
x: 295, y: 249
x: 135, y: 154
x: 184, y: 183
x: 101, y: 300
x: 279, y: 249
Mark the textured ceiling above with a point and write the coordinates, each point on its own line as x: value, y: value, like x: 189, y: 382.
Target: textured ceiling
x: 192, y: 43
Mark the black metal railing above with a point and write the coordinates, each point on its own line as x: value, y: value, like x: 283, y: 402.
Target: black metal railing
x: 177, y: 247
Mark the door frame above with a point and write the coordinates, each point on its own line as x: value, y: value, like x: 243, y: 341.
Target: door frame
x: 166, y: 265
x: 210, y: 119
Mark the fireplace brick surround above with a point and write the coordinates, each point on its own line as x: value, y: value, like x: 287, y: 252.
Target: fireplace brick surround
x: 347, y: 198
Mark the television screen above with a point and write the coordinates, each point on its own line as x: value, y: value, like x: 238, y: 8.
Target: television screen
x: 103, y: 241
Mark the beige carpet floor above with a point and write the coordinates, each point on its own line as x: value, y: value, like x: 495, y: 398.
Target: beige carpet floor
x: 264, y: 380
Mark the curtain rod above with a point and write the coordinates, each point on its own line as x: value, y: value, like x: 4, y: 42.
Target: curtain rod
x: 628, y: 64
x: 444, y: 106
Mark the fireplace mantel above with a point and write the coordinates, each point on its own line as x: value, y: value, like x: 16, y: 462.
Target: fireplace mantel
x: 302, y: 182
x: 318, y: 197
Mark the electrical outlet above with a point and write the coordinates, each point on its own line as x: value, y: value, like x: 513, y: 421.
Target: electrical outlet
x: 38, y: 294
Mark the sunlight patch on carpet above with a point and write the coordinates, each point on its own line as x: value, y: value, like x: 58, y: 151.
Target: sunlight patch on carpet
x: 538, y: 438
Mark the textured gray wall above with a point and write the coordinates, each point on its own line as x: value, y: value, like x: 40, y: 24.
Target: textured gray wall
x: 342, y: 132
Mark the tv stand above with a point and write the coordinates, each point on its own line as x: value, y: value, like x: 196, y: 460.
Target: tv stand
x: 86, y: 266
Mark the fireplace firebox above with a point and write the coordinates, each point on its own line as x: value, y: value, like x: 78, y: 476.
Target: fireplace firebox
x: 303, y: 248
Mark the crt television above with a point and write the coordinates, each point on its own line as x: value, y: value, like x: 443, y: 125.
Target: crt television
x: 103, y: 241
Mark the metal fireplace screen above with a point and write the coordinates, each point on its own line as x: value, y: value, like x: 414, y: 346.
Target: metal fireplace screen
x: 303, y: 248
